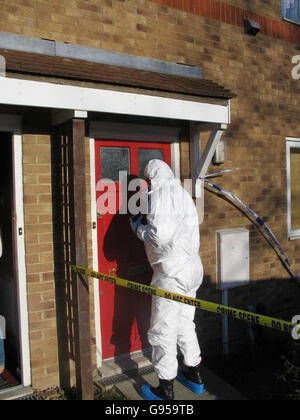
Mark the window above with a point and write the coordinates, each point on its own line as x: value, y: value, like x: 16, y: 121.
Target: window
x: 114, y: 160
x: 293, y: 187
x: 145, y: 155
x: 291, y: 10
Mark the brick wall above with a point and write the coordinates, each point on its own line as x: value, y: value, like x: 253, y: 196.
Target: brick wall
x: 265, y: 112
x: 90, y: 249
x: 135, y: 26
x: 39, y: 259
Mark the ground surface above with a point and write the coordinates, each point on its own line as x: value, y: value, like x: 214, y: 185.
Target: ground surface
x: 215, y: 388
x: 267, y: 372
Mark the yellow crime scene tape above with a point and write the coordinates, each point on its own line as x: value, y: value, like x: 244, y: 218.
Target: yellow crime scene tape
x: 264, y: 321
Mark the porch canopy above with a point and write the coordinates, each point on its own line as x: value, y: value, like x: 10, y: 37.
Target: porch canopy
x: 73, y: 88
x: 57, y: 82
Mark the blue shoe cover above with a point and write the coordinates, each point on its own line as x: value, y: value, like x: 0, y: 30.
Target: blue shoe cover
x: 147, y: 394
x: 192, y: 386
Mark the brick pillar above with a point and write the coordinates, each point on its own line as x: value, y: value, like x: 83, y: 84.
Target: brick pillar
x: 39, y: 260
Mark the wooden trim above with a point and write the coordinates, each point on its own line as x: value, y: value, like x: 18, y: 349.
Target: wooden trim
x: 20, y: 259
x: 13, y: 124
x: 61, y: 116
x: 175, y: 159
x: 234, y: 15
x: 95, y: 254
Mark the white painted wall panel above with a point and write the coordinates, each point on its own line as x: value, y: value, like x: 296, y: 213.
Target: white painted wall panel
x: 233, y: 250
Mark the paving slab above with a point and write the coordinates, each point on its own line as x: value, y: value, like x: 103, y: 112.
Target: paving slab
x: 216, y: 388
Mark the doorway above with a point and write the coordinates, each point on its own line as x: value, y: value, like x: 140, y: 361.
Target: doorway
x: 8, y: 263
x: 125, y: 314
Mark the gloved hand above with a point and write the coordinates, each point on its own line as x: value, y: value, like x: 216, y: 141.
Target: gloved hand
x: 135, y: 222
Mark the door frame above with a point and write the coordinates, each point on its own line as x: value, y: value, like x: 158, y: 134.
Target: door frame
x: 13, y: 125
x: 125, y: 132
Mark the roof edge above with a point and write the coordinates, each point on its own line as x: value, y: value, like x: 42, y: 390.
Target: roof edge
x: 53, y: 48
x: 86, y: 71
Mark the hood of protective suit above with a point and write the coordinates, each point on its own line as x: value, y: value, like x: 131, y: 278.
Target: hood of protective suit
x: 159, y: 173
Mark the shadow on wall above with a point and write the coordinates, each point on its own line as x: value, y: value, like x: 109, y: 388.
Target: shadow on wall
x: 278, y: 298
x: 131, y: 310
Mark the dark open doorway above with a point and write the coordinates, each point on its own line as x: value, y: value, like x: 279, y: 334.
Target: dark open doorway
x: 8, y: 264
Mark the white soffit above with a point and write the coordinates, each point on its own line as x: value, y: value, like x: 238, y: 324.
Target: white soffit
x: 50, y: 95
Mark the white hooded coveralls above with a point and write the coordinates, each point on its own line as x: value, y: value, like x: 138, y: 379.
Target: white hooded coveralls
x: 172, y: 244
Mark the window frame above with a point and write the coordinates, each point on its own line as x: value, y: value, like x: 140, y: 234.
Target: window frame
x: 295, y: 22
x: 291, y: 143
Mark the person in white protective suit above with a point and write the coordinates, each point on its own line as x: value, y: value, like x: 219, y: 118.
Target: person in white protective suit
x: 171, y: 238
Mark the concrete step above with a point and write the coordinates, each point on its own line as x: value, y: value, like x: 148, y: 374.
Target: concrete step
x: 16, y: 393
x: 216, y: 388
x: 130, y: 372
x: 114, y: 368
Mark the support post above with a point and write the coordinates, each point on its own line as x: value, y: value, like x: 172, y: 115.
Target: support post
x: 83, y: 362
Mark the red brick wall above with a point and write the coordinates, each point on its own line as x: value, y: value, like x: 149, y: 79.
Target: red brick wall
x: 119, y: 24
x: 269, y: 16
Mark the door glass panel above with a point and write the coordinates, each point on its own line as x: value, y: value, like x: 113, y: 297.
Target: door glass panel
x: 295, y: 187
x: 145, y: 155
x: 113, y: 161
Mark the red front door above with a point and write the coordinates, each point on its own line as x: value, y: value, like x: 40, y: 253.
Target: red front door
x: 125, y: 314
